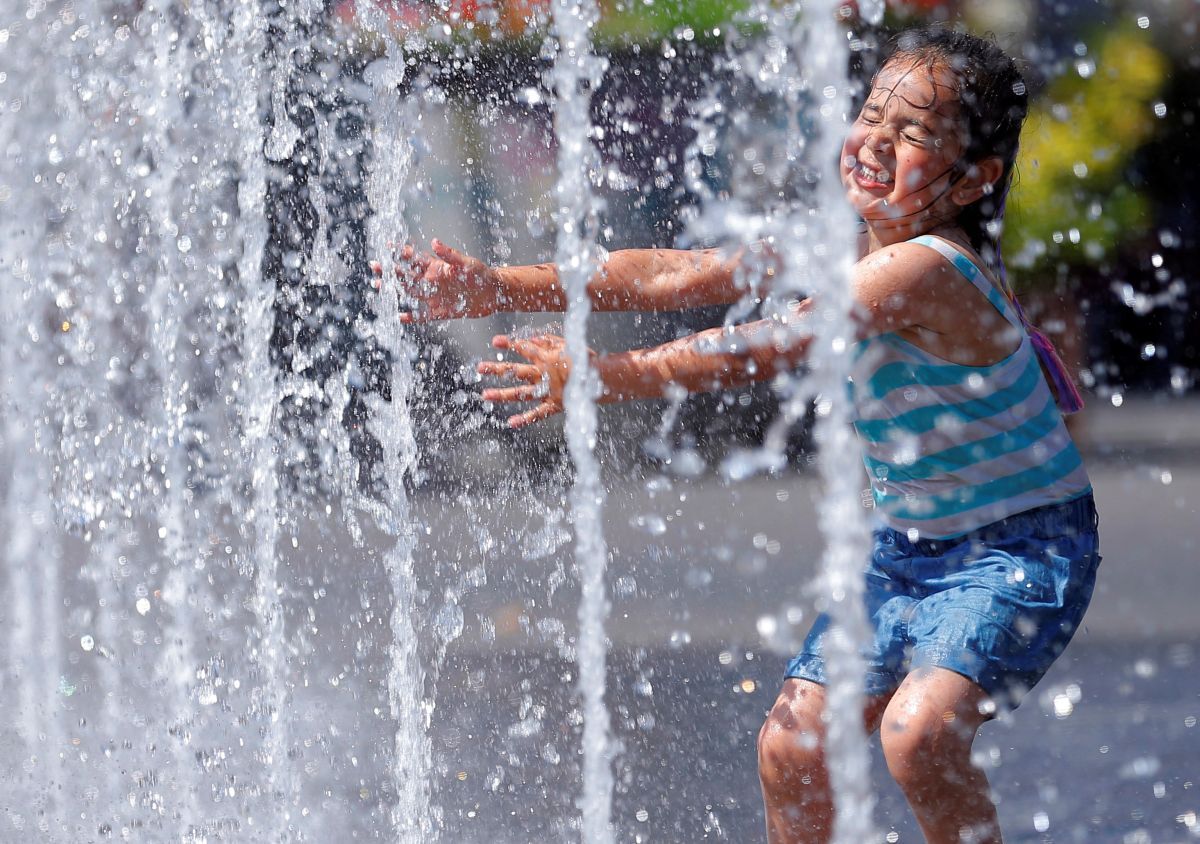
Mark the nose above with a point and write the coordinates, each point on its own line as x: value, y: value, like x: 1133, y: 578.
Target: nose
x: 879, y: 139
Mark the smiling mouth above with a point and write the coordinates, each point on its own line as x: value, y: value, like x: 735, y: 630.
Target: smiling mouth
x: 868, y: 177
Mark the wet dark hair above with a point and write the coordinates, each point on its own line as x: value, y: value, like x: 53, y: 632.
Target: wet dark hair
x: 993, y: 103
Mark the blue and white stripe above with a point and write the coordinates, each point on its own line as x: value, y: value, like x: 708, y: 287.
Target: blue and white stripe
x: 950, y: 448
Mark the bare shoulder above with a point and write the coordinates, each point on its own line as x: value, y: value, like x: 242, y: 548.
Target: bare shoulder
x: 904, y: 285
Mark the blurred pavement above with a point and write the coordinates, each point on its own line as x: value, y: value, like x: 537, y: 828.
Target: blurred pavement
x: 708, y: 584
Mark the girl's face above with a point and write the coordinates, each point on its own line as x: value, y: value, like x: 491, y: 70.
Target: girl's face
x: 899, y: 159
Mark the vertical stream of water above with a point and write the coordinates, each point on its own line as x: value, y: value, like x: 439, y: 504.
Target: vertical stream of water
x: 843, y: 518
x: 393, y: 152
x: 576, y: 74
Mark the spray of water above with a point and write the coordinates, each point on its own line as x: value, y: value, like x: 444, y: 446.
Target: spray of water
x: 843, y: 519
x: 167, y: 70
x: 394, y: 122
x: 801, y: 63
x: 135, y: 276
x: 577, y: 72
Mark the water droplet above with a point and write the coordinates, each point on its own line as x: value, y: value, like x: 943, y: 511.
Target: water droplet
x: 87, y: 642
x: 142, y: 606
x: 1063, y: 706
x: 651, y: 523
x: 871, y: 11
x: 1142, y: 767
x: 767, y: 626
x: 679, y: 638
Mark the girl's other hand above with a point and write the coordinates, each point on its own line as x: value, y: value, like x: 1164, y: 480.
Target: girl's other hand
x: 544, y: 376
x: 446, y: 284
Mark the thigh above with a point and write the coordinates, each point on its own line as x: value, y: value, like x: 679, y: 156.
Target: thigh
x: 931, y: 698
x: 800, y: 707
x: 1001, y: 615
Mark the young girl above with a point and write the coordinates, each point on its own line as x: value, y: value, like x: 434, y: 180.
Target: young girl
x: 987, y: 554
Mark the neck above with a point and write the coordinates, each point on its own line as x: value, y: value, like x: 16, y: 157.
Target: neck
x: 881, y: 233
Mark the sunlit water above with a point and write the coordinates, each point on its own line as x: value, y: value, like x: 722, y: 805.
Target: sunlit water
x: 218, y: 599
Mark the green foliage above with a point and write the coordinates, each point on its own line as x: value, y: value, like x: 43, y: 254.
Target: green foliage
x: 1070, y: 201
x: 634, y: 21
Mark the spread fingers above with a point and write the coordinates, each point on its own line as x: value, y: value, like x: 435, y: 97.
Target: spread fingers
x: 526, y: 392
x: 542, y: 411
x: 503, y: 369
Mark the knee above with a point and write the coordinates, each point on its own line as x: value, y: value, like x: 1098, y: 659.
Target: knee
x: 790, y: 754
x: 923, y: 748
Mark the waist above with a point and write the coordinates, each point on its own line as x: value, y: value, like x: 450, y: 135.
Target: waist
x: 1068, y: 518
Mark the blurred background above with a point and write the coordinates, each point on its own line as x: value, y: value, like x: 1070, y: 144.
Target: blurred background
x: 152, y: 562
x: 1102, y: 224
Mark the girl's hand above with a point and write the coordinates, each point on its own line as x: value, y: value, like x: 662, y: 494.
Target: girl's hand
x: 447, y: 284
x: 544, y: 376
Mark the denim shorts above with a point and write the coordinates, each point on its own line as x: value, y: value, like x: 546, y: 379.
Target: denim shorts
x: 997, y: 605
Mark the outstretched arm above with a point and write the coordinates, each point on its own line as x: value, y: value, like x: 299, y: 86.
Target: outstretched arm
x: 709, y: 360
x: 904, y: 288
x: 450, y: 284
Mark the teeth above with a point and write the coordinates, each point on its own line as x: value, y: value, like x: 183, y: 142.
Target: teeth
x: 881, y: 176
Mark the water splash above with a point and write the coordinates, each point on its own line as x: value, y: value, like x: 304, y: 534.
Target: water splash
x: 576, y: 73
x: 801, y: 64
x: 143, y: 397
x: 843, y: 519
x: 411, y: 765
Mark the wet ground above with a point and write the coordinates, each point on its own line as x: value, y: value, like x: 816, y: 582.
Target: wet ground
x: 1121, y: 766
x: 708, y: 588
x: 705, y: 577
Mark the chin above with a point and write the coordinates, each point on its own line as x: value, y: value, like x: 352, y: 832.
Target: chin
x: 863, y: 203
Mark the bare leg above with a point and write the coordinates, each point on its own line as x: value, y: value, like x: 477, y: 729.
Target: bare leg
x: 927, y: 732
x: 791, y: 764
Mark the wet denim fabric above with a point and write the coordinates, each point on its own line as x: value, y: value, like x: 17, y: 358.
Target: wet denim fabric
x: 997, y: 605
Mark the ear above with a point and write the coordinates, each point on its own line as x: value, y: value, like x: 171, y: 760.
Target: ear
x: 980, y: 181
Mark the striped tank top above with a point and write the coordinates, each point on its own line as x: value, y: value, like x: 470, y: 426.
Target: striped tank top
x: 950, y: 448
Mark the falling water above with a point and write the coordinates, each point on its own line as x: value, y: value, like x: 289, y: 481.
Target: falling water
x: 260, y: 397
x: 577, y: 72
x: 166, y: 306
x: 394, y: 123
x: 802, y: 64
x: 843, y: 519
